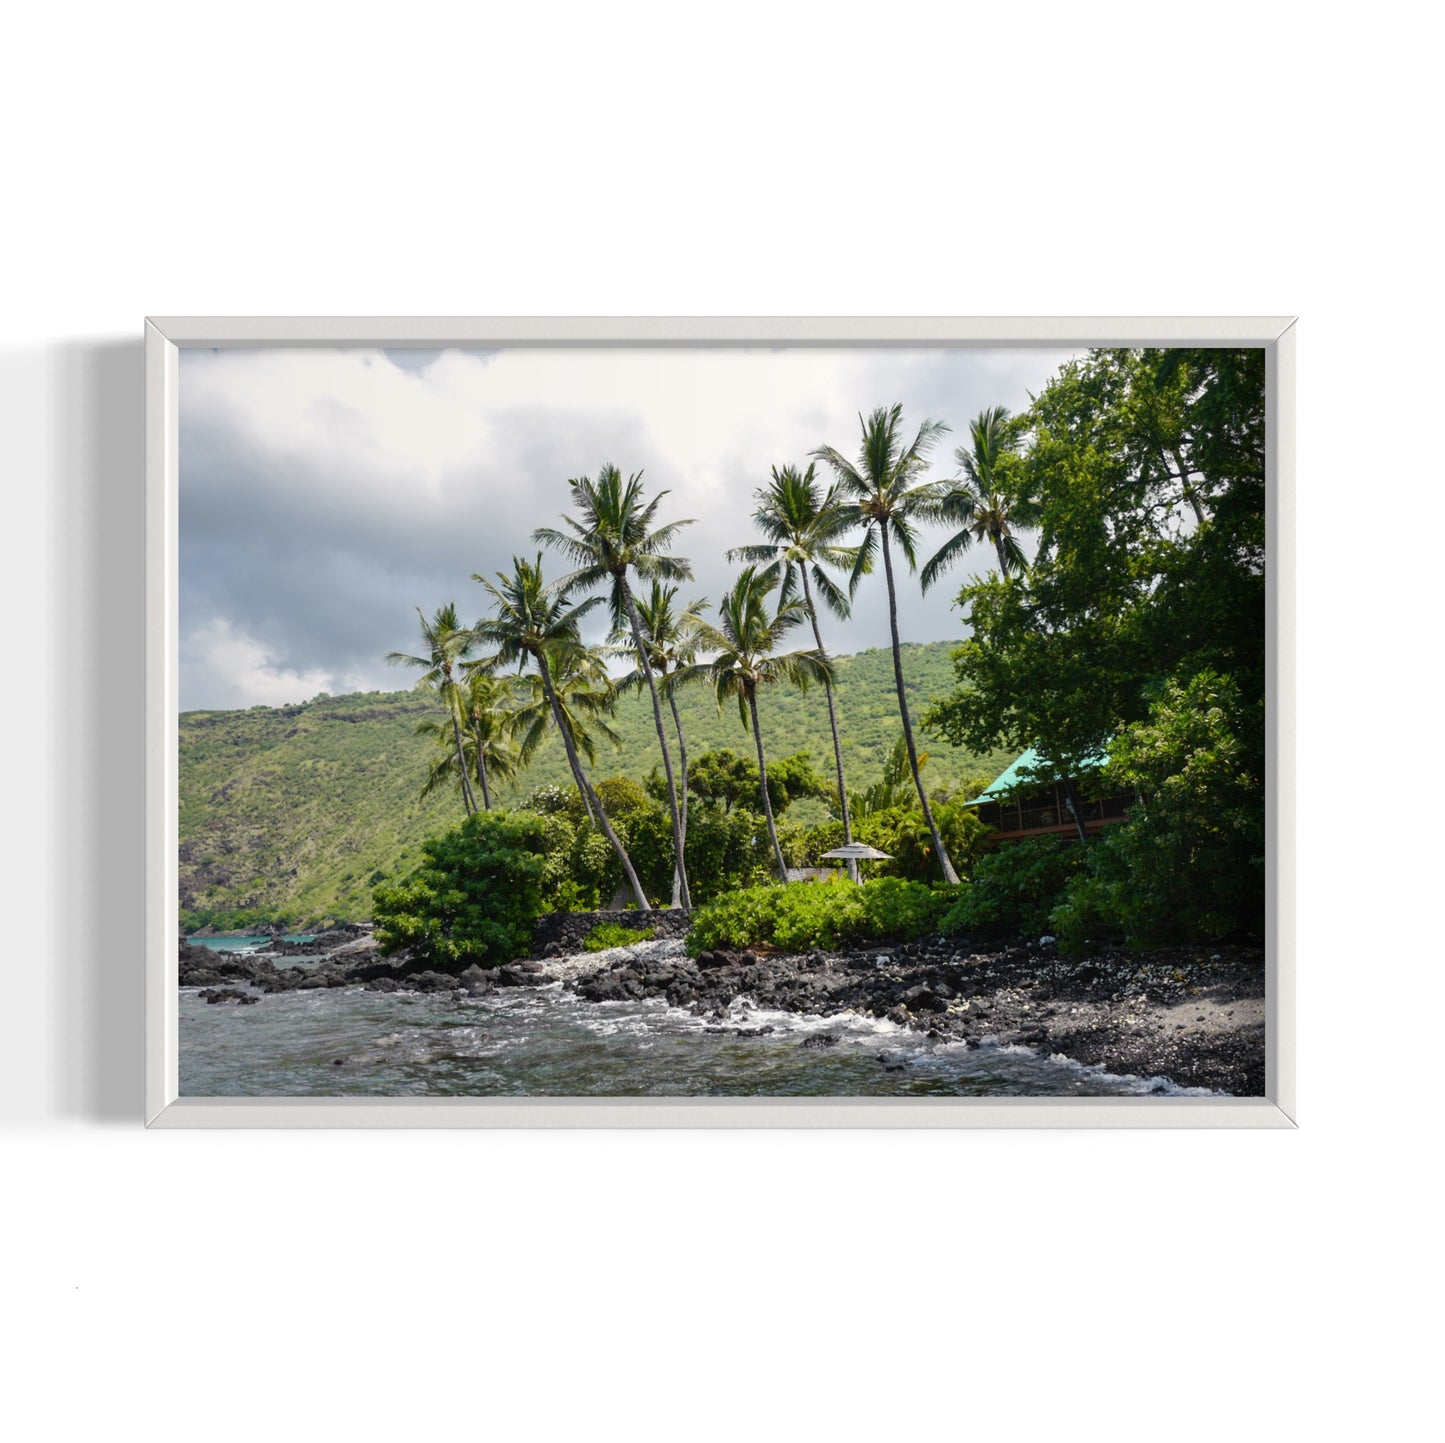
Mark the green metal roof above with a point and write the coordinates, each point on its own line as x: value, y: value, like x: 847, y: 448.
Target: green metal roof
x: 1012, y: 778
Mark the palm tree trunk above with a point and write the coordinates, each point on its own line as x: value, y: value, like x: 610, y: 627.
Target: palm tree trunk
x: 767, y: 801
x: 468, y: 800
x: 679, y: 863
x: 1072, y: 797
x: 949, y: 875
x: 682, y: 801
x: 832, y: 722
x: 1002, y: 555
x: 482, y: 775
x: 593, y: 802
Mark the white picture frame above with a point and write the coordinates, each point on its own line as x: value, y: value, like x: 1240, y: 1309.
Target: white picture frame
x: 165, y: 337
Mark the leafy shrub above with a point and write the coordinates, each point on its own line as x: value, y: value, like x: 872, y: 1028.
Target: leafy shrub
x: 475, y: 897
x: 1015, y: 888
x: 1188, y: 864
x: 610, y: 934
x: 804, y: 915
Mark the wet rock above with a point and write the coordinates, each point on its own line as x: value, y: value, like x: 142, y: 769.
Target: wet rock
x: 214, y: 995
x: 819, y: 1039
x: 924, y: 999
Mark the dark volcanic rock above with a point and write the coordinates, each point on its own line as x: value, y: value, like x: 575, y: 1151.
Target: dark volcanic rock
x: 229, y: 994
x: 923, y: 999
x: 567, y: 930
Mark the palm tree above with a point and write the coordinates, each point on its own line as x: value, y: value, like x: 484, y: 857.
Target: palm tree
x: 446, y: 642
x: 586, y: 698
x: 540, y: 623
x: 505, y: 759
x: 805, y: 528
x: 979, y: 498
x: 883, y: 487
x: 746, y: 641
x: 614, y: 534
x: 491, y: 727
x: 671, y: 646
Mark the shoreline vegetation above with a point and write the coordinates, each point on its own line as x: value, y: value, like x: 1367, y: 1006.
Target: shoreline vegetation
x: 1116, y: 655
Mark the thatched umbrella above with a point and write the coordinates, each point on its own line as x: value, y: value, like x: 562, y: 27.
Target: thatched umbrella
x: 857, y: 852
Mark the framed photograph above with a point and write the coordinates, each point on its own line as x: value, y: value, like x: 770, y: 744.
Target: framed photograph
x: 720, y: 722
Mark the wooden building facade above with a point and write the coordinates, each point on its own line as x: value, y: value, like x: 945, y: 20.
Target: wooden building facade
x: 1017, y: 808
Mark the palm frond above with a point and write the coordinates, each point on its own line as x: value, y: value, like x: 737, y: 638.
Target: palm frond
x: 945, y: 556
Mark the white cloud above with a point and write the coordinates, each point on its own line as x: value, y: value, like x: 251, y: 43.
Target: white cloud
x: 327, y: 493
x: 233, y: 668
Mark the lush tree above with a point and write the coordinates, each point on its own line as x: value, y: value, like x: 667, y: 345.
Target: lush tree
x: 1189, y: 860
x: 725, y: 779
x: 886, y: 487
x: 446, y: 643
x: 1128, y: 585
x: 475, y: 898
x: 538, y: 623
x: 806, y: 529
x: 1145, y: 473
x: 981, y: 502
x: 613, y: 535
x: 746, y: 642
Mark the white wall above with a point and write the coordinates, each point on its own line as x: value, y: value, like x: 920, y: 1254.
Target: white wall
x: 758, y: 159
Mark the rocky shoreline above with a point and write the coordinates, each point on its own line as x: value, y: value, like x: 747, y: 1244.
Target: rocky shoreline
x: 1193, y: 1015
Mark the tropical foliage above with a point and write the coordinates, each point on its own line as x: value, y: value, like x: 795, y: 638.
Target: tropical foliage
x: 819, y: 914
x: 474, y: 898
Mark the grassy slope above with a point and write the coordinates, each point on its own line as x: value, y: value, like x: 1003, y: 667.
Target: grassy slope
x: 295, y: 808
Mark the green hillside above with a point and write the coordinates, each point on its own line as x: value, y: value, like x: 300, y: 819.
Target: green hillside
x: 295, y: 810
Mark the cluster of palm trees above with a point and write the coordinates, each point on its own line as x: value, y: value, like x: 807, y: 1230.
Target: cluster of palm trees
x: 623, y: 559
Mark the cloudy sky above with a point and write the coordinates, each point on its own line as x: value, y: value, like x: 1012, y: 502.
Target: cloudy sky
x: 326, y: 494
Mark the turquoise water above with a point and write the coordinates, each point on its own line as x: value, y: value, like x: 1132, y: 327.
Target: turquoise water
x: 547, y: 1042
x: 248, y: 944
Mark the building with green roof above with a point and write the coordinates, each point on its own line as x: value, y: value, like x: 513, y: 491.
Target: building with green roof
x: 1017, y: 804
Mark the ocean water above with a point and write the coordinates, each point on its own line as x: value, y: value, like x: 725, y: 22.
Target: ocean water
x: 547, y: 1042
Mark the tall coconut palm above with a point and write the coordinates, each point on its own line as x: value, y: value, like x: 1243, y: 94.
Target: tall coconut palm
x: 671, y: 646
x: 978, y: 501
x: 746, y: 640
x: 885, y: 487
x: 540, y: 623
x: 613, y: 534
x: 446, y: 642
x: 805, y: 527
